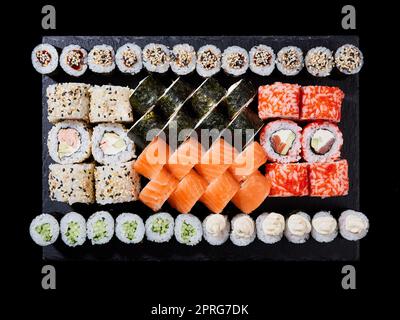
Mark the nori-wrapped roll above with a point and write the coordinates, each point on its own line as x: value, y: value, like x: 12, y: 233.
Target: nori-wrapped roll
x: 149, y: 121
x: 215, y: 120
x: 174, y: 97
x: 206, y: 97
x: 239, y: 94
x: 181, y: 121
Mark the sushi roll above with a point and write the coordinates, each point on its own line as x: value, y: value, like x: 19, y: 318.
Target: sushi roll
x: 188, y: 229
x: 111, y: 144
x: 216, y: 229
x: 156, y: 58
x: 290, y: 60
x: 353, y: 225
x: 44, y: 58
x: 324, y: 227
x: 281, y: 141
x: 129, y: 58
x: 100, y: 227
x: 174, y: 97
x: 321, y: 142
x: 319, y: 61
x: 69, y: 142
x: 288, y: 179
x: 239, y: 95
x: 235, y: 61
x: 298, y: 227
x: 243, y: 230
x: 73, y: 229
x: 270, y: 227
x: 183, y: 60
x: 262, y: 60
x: 159, y: 227
x: 74, y: 60
x: 101, y: 59
x: 44, y: 229
x: 129, y: 228
x: 208, y: 61
x: 349, y: 59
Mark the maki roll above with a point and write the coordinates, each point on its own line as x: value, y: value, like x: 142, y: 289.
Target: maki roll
x: 281, y: 141
x: 239, y: 95
x: 262, y: 60
x: 74, y: 60
x: 156, y: 58
x: 111, y: 144
x: 174, y: 97
x: 100, y: 227
x: 188, y: 229
x: 129, y: 228
x: 349, y: 59
x: 235, y: 61
x: 216, y: 229
x: 73, y: 229
x: 69, y: 142
x: 183, y: 59
x: 270, y: 227
x: 146, y: 128
x: 44, y: 229
x: 101, y: 59
x: 298, y: 227
x: 159, y: 227
x: 44, y: 58
x: 208, y: 61
x: 353, y: 225
x: 324, y: 227
x: 290, y: 60
x: 243, y: 230
x: 319, y: 61
x: 129, y: 58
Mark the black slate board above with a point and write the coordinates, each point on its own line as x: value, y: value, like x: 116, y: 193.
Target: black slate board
x: 339, y: 249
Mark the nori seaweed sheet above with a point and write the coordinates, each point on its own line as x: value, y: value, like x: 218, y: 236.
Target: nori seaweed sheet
x: 215, y: 120
x: 206, y: 97
x: 180, y: 121
x: 149, y: 121
x: 174, y: 97
x: 239, y: 96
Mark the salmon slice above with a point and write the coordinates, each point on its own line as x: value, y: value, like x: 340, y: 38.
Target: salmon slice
x: 184, y: 158
x: 152, y: 158
x: 188, y: 192
x: 219, y: 192
x: 253, y: 191
x: 248, y: 161
x: 158, y: 190
x: 216, y: 160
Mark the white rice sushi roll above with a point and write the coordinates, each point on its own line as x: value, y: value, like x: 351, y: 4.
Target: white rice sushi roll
x: 262, y: 60
x: 44, y: 229
x: 156, y: 58
x: 208, y: 61
x: 349, y: 59
x: 235, y: 61
x: 270, y: 227
x: 324, y: 227
x: 188, y: 229
x: 111, y: 144
x: 353, y: 225
x: 243, y: 230
x: 74, y: 60
x: 216, y: 229
x: 298, y: 227
x: 129, y: 58
x: 129, y: 228
x: 69, y: 142
x: 159, y: 227
x: 290, y: 60
x: 44, y: 58
x: 183, y: 59
x: 319, y: 61
x: 73, y: 229
x: 101, y: 59
x: 100, y: 227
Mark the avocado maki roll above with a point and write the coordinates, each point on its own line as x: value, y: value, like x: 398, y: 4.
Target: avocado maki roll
x: 159, y: 227
x: 129, y: 228
x: 188, y: 229
x: 44, y: 58
x: 183, y: 59
x: 208, y: 61
x: 44, y: 229
x: 101, y: 59
x: 174, y: 97
x: 100, y: 227
x: 235, y: 61
x: 74, y: 60
x: 129, y: 58
x: 239, y: 94
x: 73, y: 229
x: 207, y: 96
x: 156, y: 58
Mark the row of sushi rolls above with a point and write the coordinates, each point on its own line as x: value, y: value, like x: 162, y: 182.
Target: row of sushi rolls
x: 94, y: 132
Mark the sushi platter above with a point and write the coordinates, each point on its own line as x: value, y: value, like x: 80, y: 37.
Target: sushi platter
x: 98, y: 114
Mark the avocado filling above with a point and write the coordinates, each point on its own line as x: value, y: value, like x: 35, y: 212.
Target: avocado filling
x: 73, y: 231
x: 187, y: 231
x: 112, y: 143
x: 282, y: 140
x: 322, y: 141
x: 129, y: 228
x: 160, y: 226
x: 99, y: 229
x: 68, y: 142
x: 44, y: 230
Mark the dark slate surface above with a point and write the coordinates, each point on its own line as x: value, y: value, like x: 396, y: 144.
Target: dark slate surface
x: 339, y: 249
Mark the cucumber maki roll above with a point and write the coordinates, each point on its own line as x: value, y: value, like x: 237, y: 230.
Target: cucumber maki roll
x: 129, y: 228
x: 129, y: 58
x: 174, y: 97
x: 216, y: 229
x: 298, y: 227
x: 290, y: 60
x: 100, y: 227
x: 159, y: 227
x: 319, y: 61
x: 353, y: 225
x: 239, y: 94
x: 44, y: 58
x: 183, y: 59
x: 74, y: 60
x: 270, y: 227
x: 262, y: 60
x: 156, y: 58
x: 101, y: 59
x: 349, y: 59
x: 324, y: 227
x: 44, y: 229
x: 208, y: 61
x: 243, y: 230
x: 235, y: 61
x: 73, y: 229
x: 188, y: 229
x: 207, y: 96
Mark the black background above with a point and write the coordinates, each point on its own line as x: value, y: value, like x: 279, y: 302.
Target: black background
x: 138, y: 286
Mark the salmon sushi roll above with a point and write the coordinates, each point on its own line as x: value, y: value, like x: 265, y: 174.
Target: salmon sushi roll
x: 188, y: 192
x: 279, y: 100
x: 288, y: 180
x: 321, y: 103
x: 219, y: 192
x: 158, y: 190
x: 252, y: 192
